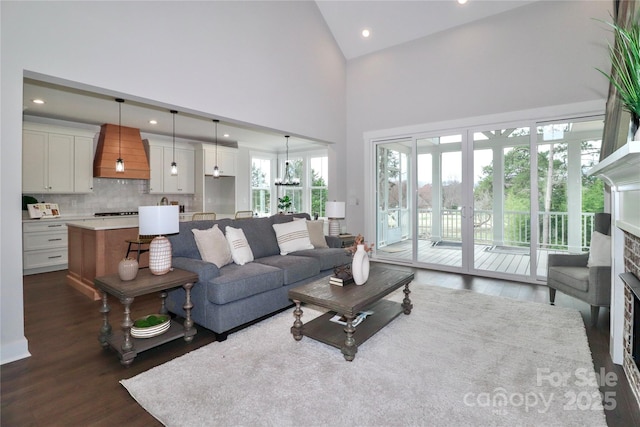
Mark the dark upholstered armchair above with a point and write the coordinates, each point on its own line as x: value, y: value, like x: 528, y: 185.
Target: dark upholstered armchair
x: 569, y: 274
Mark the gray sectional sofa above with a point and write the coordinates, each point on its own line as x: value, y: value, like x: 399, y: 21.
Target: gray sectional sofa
x: 233, y: 295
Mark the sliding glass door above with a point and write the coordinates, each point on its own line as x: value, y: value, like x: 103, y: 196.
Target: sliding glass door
x: 394, y: 205
x: 491, y: 200
x: 502, y: 200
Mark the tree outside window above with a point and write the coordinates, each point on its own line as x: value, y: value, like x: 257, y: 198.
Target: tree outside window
x: 261, y: 186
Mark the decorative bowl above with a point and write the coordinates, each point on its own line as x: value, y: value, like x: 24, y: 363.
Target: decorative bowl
x: 150, y: 326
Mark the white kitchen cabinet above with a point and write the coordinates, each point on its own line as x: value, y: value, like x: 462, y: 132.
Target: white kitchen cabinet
x: 56, y: 159
x: 156, y: 163
x: 47, y: 162
x: 184, y: 181
x: 45, y: 246
x: 226, y: 161
x: 161, y: 181
x: 83, y: 165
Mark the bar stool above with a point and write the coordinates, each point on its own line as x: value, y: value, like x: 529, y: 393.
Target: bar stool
x: 243, y: 214
x: 139, y: 242
x: 199, y: 216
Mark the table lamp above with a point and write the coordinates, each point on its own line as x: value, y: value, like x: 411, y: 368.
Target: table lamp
x: 159, y: 220
x: 335, y: 211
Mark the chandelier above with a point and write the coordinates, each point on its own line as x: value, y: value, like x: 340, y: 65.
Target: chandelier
x: 288, y: 179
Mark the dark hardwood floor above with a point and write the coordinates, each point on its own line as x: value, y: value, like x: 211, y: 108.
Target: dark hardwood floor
x: 71, y: 380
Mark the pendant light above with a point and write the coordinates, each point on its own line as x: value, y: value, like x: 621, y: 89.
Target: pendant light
x: 216, y: 169
x: 288, y: 179
x: 119, y: 161
x: 174, y: 165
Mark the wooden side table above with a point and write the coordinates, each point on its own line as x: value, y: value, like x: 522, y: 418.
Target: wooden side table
x: 145, y: 283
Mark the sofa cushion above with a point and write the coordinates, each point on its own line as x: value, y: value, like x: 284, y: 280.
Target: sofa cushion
x: 575, y: 277
x: 240, y: 249
x: 236, y: 282
x: 294, y: 268
x: 213, y: 246
x: 260, y: 236
x: 292, y: 236
x: 327, y: 257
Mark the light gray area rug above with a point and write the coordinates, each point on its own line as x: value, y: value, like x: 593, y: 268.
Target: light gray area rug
x: 459, y: 359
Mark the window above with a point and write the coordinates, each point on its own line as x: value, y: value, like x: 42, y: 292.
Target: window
x: 312, y: 168
x: 261, y: 186
x: 319, y: 167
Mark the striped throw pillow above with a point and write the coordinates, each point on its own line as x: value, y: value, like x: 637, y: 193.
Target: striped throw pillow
x: 292, y: 236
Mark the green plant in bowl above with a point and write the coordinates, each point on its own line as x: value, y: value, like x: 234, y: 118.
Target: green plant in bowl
x: 151, y: 320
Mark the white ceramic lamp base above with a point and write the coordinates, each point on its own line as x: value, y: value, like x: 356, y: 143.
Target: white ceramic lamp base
x: 334, y: 227
x: 160, y: 256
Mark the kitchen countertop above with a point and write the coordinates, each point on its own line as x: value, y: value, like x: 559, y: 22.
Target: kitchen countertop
x: 106, y: 223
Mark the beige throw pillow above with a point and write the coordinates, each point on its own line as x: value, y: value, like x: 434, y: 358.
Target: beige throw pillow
x: 212, y: 245
x: 600, y: 251
x: 292, y: 236
x: 240, y: 249
x: 316, y: 234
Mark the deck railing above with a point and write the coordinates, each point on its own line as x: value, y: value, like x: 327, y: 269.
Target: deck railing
x: 517, y: 228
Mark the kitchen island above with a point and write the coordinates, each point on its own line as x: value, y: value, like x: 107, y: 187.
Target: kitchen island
x: 95, y: 249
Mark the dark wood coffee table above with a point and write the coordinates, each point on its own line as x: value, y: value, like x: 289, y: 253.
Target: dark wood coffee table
x: 348, y: 301
x: 144, y: 283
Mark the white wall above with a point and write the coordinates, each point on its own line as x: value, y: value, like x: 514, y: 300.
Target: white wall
x: 274, y: 64
x: 536, y: 56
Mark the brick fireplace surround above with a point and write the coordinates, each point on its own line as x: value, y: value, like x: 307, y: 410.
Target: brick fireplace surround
x: 631, y: 281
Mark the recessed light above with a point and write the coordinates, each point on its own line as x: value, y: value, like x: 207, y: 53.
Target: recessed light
x: 462, y: 1
x: 226, y: 135
x: 153, y: 122
x: 38, y: 101
x: 366, y: 33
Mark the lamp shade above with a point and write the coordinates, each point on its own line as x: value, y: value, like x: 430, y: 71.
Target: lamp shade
x: 335, y: 209
x: 156, y: 220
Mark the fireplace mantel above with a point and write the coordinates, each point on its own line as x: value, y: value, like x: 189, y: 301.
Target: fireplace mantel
x: 621, y: 171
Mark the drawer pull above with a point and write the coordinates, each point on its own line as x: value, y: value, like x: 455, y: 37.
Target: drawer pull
x: 54, y: 225
x: 55, y: 240
x: 56, y: 256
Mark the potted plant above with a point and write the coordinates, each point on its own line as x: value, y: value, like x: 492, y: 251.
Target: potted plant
x: 625, y: 68
x: 284, y: 203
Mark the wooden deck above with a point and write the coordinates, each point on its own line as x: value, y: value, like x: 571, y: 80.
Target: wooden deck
x: 508, y: 260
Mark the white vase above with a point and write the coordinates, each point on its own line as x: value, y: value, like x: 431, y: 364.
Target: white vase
x: 360, y: 266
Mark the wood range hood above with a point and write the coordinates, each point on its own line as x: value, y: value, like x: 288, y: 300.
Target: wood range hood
x: 117, y: 140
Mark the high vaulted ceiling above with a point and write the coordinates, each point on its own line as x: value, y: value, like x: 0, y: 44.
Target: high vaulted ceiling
x: 391, y: 23
x: 396, y: 22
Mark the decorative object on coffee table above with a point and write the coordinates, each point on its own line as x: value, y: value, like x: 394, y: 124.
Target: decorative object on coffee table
x: 360, y: 266
x: 128, y: 269
x: 360, y: 263
x: 159, y: 220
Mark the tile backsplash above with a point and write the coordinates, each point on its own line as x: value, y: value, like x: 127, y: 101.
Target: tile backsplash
x: 112, y: 195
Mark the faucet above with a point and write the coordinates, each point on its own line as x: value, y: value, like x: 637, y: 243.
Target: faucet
x: 164, y: 201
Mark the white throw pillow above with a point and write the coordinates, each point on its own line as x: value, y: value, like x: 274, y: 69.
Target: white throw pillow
x: 212, y: 245
x: 240, y: 249
x: 316, y: 234
x: 600, y: 251
x: 292, y: 236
